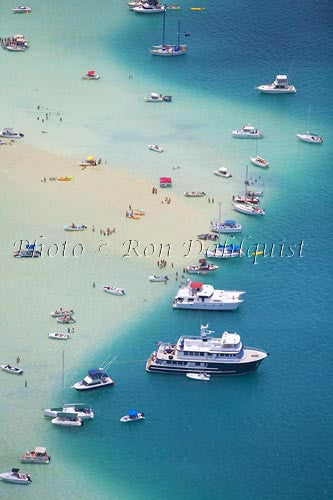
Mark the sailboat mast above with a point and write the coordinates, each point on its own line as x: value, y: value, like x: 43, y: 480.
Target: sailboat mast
x: 246, y: 181
x: 63, y: 377
x: 178, y: 34
x: 309, y: 113
x: 163, y: 40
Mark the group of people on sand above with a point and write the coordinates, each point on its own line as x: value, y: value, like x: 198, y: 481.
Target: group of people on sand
x: 163, y: 263
x: 211, y: 200
x: 153, y: 190
x: 106, y: 232
x: 166, y: 200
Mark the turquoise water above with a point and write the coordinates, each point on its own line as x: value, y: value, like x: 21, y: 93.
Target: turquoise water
x: 262, y: 436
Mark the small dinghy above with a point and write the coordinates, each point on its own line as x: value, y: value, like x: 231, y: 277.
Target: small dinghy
x: 202, y: 268
x: 223, y: 172
x: 59, y: 336
x: 207, y: 236
x: 11, y: 369
x: 74, y: 227
x: 8, y: 132
x: 194, y: 194
x: 66, y: 320
x: 154, y: 147
x: 132, y: 416
x: 113, y: 290
x: 158, y: 279
x: 62, y: 312
x: 21, y: 10
x: 199, y: 376
x: 14, y: 476
x: 91, y: 75
x: 38, y: 456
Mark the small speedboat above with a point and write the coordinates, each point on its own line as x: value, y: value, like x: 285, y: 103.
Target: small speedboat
x: 244, y: 208
x: 199, y: 376
x: 154, y: 147
x: 62, y: 312
x: 11, y: 369
x: 201, y: 268
x: 38, y: 456
x: 165, y: 182
x: 14, y: 476
x: 9, y: 134
x: 228, y: 226
x: 259, y: 161
x: 194, y: 194
x: 21, y: 10
x: 67, y: 419
x: 91, y: 75
x: 147, y: 8
x: 158, y: 279
x: 222, y: 172
x: 132, y: 416
x: 83, y: 411
x: 113, y: 290
x: 224, y: 252
x: 279, y: 86
x: 28, y: 252
x: 66, y: 320
x: 247, y: 132
x: 154, y: 97
x: 312, y: 138
x: 59, y: 336
x: 74, y: 227
x: 207, y: 236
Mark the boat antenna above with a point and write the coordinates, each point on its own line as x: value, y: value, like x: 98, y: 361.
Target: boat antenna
x: 63, y: 377
x: 291, y: 65
x: 106, y: 365
x: 178, y: 34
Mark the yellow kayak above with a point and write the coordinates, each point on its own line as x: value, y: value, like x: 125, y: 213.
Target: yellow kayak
x: 197, y: 8
x: 67, y: 178
x: 258, y: 253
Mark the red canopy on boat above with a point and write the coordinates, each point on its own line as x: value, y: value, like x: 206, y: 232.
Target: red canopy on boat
x: 165, y: 179
x: 195, y: 285
x: 91, y: 72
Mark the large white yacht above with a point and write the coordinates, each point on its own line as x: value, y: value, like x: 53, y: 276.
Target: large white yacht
x: 224, y: 355
x: 279, y: 86
x: 196, y: 295
x: 247, y: 132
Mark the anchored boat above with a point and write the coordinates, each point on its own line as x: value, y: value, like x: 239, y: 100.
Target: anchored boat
x: 38, y: 456
x: 14, y: 476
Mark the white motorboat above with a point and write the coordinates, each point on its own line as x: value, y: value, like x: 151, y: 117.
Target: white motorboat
x: 66, y: 320
x: 194, y: 194
x: 196, y: 295
x: 11, y: 369
x: 154, y: 97
x: 158, y: 279
x: 74, y: 227
x: 21, y: 10
x: 113, y: 290
x: 96, y: 379
x: 38, y: 456
x: 14, y: 476
x: 91, y: 75
x: 199, y: 376
x: 245, y: 199
x: 83, y: 411
x: 29, y: 251
x: 244, y: 208
x: 279, y: 86
x: 312, y: 138
x: 147, y: 8
x: 259, y: 161
x: 169, y: 50
x: 15, y: 48
x: 132, y: 416
x: 222, y: 172
x: 9, y: 134
x: 154, y: 147
x: 225, y: 227
x: 59, y: 336
x: 202, y: 268
x: 222, y: 251
x: 222, y: 355
x: 67, y: 419
x: 62, y: 312
x: 247, y: 132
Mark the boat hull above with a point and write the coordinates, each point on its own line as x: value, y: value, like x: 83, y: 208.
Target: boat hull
x: 265, y: 89
x: 214, y: 369
x: 208, y: 307
x: 91, y: 388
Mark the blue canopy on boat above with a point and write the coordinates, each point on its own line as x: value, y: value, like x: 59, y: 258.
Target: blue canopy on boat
x: 95, y: 372
x: 30, y: 246
x: 229, y: 221
x: 133, y: 413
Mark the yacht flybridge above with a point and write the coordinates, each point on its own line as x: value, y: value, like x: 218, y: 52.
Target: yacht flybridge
x: 279, y: 86
x: 196, y: 295
x: 224, y: 355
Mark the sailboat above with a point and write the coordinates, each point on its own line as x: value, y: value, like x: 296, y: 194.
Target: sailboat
x: 257, y: 160
x: 227, y: 226
x: 78, y: 410
x: 309, y: 136
x: 247, y: 204
x: 169, y: 50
